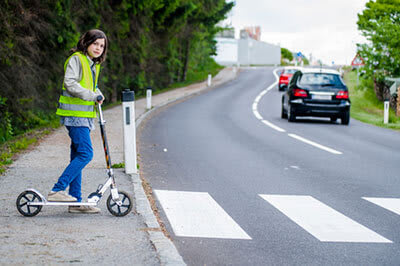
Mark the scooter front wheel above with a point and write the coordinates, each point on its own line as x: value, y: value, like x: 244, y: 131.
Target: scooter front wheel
x: 125, y: 206
x: 26, y: 197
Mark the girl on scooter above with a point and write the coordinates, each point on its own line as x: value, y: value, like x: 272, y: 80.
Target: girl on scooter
x: 77, y: 111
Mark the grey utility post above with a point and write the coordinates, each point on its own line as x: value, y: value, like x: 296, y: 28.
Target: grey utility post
x: 148, y: 98
x: 128, y: 110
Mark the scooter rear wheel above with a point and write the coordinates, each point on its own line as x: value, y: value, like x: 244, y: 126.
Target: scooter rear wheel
x: 124, y: 209
x: 22, y: 203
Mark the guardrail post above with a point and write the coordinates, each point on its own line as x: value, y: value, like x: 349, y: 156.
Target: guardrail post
x: 386, y: 112
x: 209, y: 80
x: 148, y: 97
x: 128, y: 111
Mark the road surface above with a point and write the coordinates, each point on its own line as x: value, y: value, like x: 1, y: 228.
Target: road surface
x: 237, y: 185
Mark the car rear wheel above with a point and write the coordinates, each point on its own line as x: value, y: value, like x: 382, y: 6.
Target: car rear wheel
x: 290, y: 114
x: 283, y: 114
x: 346, y: 118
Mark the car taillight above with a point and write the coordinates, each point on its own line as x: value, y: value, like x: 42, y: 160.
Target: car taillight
x: 299, y: 93
x: 284, y: 78
x: 342, y: 95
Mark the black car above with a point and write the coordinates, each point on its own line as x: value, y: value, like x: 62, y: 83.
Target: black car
x: 316, y: 92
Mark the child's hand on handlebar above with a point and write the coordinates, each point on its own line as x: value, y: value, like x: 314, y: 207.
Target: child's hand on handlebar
x: 100, y: 99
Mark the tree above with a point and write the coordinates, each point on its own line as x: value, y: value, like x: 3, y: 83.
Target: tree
x: 201, y: 27
x: 152, y: 43
x: 380, y: 24
x: 285, y: 53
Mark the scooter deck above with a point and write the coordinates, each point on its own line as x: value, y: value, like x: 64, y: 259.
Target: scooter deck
x: 61, y: 203
x: 45, y: 202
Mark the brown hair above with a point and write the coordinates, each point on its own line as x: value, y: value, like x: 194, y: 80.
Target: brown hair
x: 87, y: 39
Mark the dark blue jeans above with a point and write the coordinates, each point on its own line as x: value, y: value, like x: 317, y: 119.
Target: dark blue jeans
x: 81, y: 155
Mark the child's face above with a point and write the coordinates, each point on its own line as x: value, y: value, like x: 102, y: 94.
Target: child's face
x: 96, y: 48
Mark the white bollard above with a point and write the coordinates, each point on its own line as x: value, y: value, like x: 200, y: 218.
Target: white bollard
x: 386, y: 112
x: 128, y: 110
x: 209, y: 80
x: 148, y: 98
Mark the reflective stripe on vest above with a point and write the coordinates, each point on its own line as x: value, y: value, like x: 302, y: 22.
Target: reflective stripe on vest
x: 73, y: 106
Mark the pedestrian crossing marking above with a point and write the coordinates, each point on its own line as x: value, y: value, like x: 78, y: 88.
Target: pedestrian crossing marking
x: 197, y: 214
x: 391, y: 204
x: 321, y: 221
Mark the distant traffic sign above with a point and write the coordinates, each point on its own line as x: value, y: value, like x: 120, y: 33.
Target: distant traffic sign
x: 358, y: 61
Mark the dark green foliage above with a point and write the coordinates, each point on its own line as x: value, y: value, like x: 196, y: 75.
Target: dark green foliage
x: 380, y: 24
x: 152, y: 43
x: 285, y: 53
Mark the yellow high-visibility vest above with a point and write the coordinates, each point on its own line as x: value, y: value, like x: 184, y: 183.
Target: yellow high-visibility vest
x: 69, y: 105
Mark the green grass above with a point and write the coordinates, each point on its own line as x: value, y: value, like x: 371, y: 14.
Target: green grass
x: 9, y: 149
x: 118, y: 165
x: 364, y: 104
x: 195, y: 76
x: 40, y: 124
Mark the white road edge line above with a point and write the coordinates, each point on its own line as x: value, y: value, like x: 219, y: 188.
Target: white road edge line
x: 272, y: 125
x: 322, y: 147
x: 258, y: 98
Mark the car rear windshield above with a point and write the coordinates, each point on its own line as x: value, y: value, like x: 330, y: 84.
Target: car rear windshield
x: 321, y: 79
x: 290, y: 71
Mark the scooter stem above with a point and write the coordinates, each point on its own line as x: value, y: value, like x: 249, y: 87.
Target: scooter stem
x: 104, y: 138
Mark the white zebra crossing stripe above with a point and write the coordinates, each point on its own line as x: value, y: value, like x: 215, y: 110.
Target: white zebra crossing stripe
x: 323, y: 222
x: 391, y: 204
x: 197, y: 214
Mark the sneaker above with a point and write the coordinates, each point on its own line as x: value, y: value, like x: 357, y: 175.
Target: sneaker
x: 83, y: 209
x: 60, y: 196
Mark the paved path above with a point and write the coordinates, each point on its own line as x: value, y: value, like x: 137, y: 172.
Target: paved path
x: 55, y: 236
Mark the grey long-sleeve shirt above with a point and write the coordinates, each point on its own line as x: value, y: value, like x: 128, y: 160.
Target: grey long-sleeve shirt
x: 72, y: 77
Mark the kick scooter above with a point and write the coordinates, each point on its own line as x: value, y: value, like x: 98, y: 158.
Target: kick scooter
x: 119, y: 203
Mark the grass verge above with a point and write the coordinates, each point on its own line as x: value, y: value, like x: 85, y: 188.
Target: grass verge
x: 364, y: 104
x: 195, y: 76
x: 10, y: 149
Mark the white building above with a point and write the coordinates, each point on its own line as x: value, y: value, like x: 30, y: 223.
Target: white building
x: 246, y: 52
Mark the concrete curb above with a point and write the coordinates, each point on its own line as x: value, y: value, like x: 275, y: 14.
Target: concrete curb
x: 165, y: 248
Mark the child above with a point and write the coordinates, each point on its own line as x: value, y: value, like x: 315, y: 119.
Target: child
x: 77, y: 111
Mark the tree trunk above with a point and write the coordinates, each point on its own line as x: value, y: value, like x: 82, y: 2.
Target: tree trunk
x: 378, y: 88
x: 185, y: 59
x: 114, y: 95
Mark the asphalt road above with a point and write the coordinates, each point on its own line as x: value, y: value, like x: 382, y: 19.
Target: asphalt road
x: 234, y: 190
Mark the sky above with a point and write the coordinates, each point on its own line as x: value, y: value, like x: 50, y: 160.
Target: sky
x: 326, y: 29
